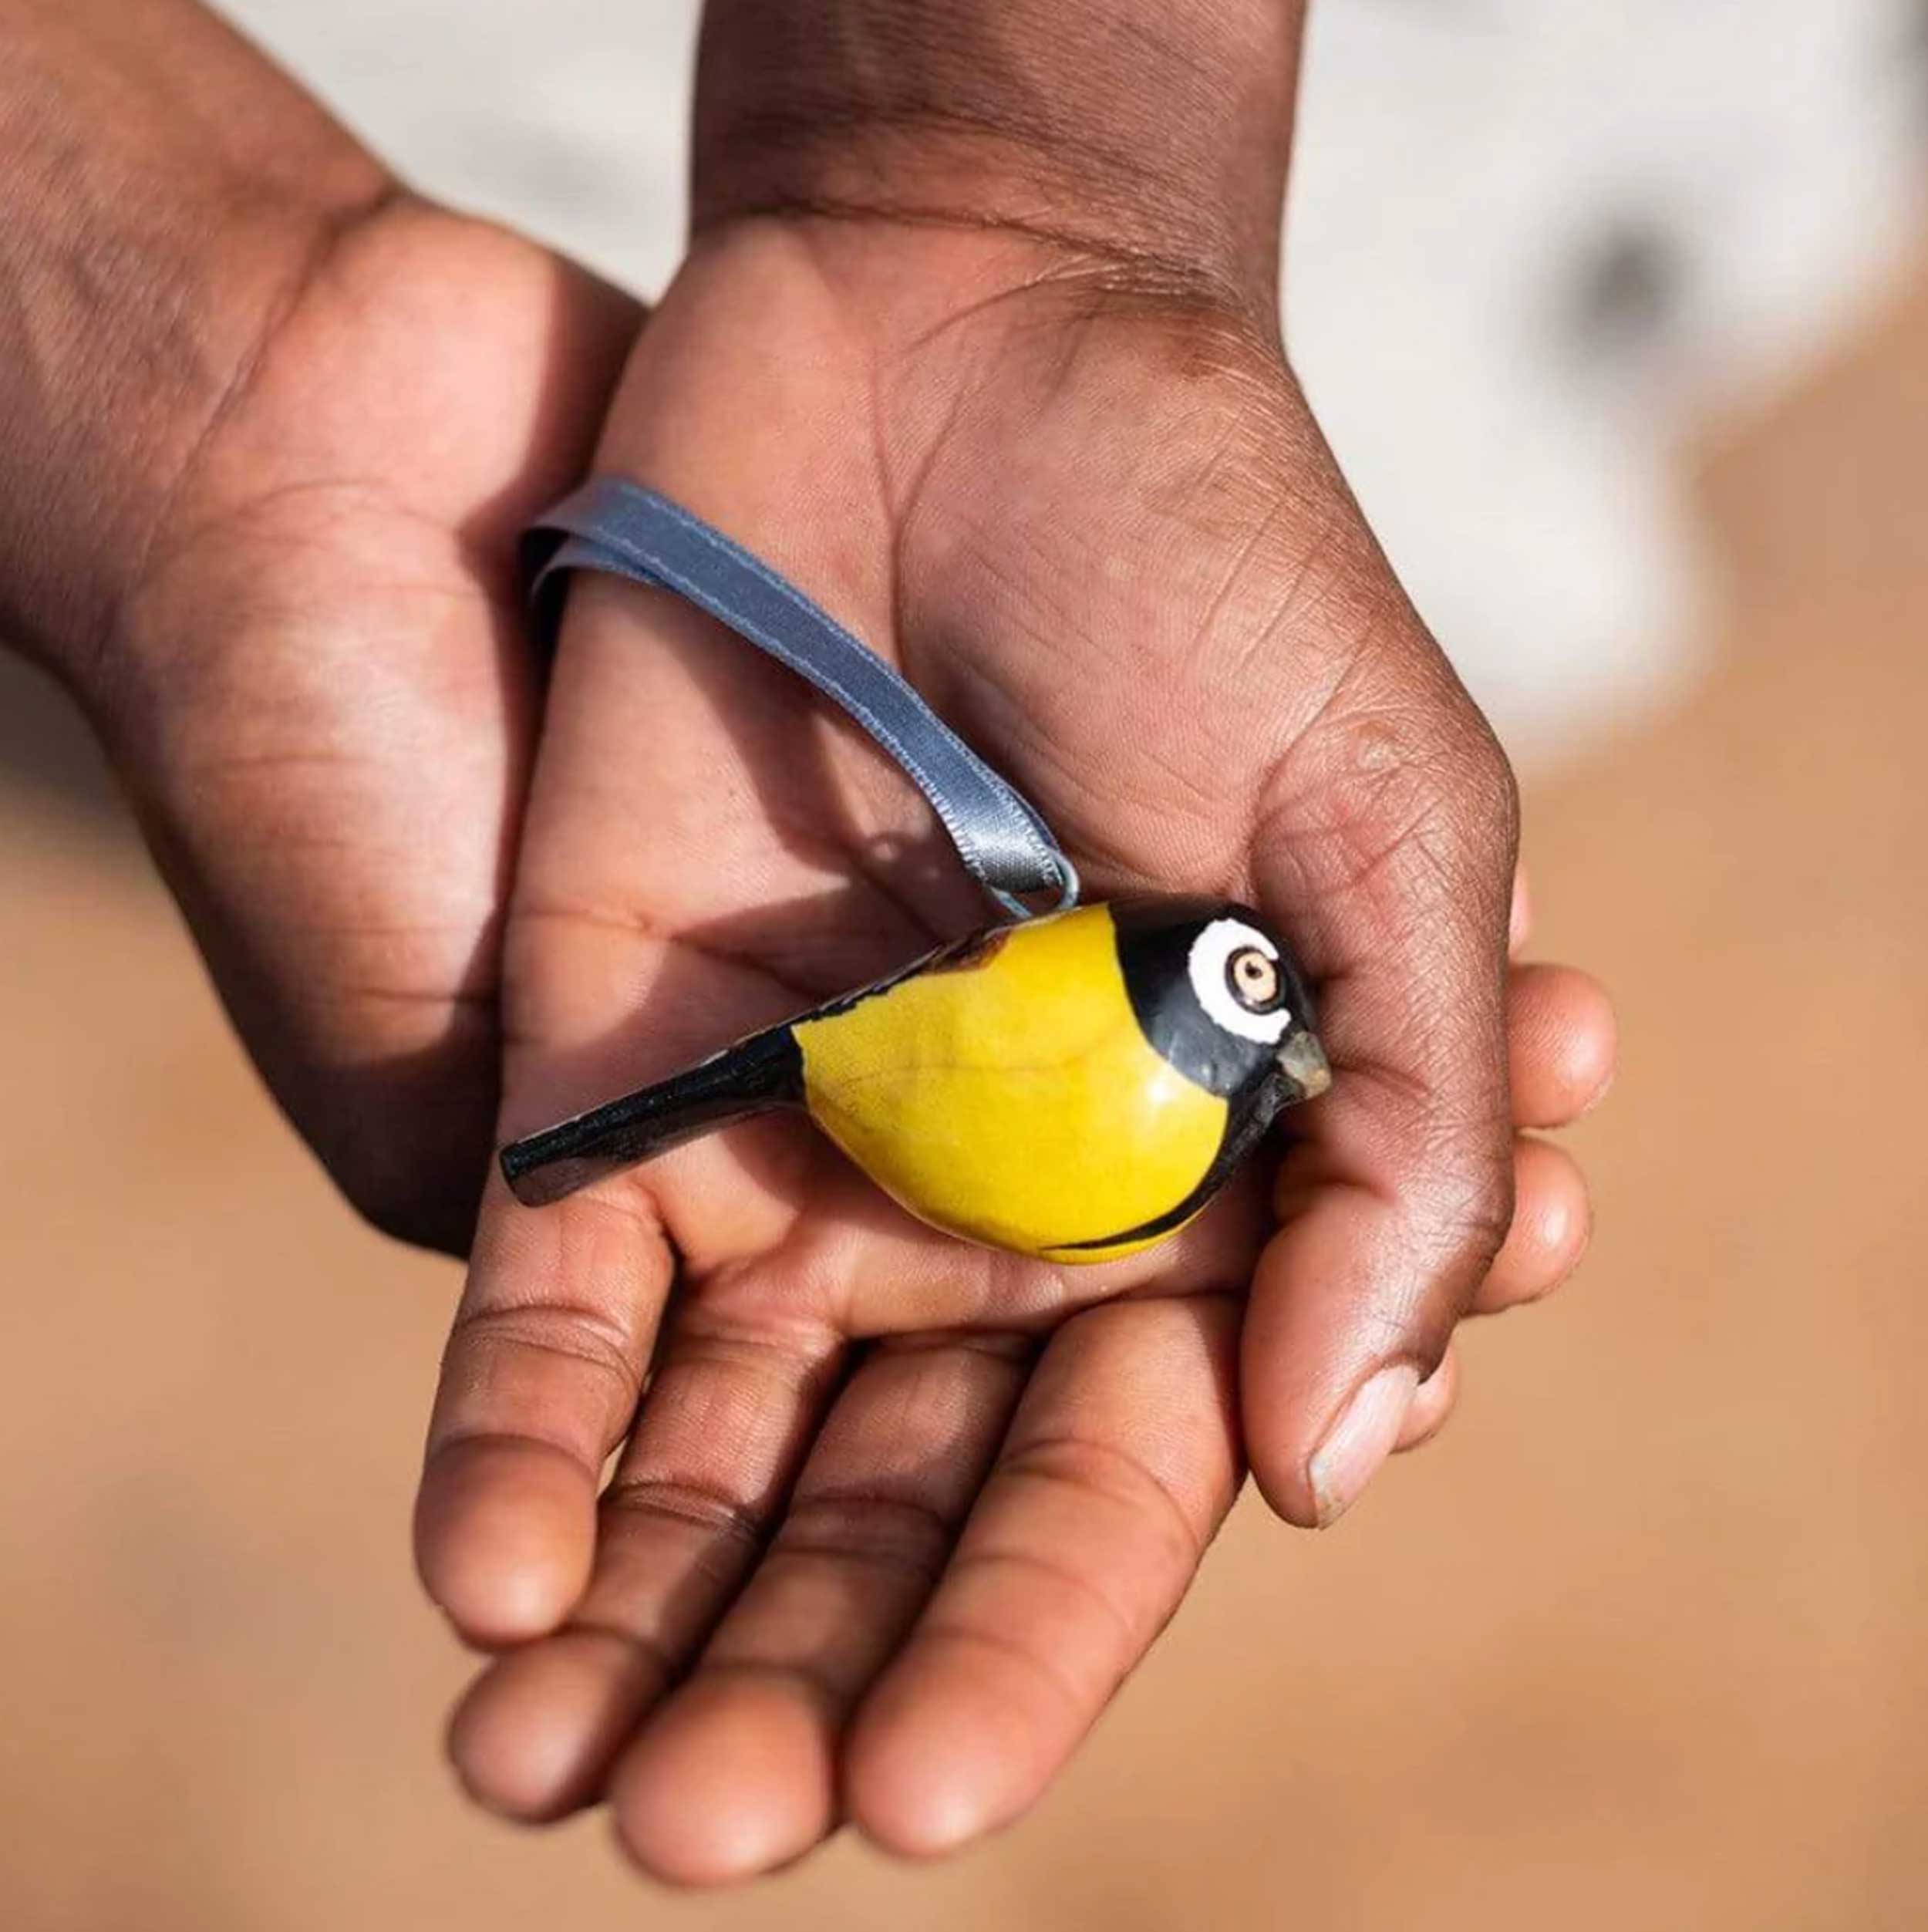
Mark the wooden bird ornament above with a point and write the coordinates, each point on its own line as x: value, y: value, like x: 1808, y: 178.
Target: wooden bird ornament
x: 1075, y: 1087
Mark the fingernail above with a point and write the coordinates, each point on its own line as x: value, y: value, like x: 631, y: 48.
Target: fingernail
x: 1360, y: 1441
x: 1600, y: 1092
x: 1520, y: 914
x: 1556, y: 1224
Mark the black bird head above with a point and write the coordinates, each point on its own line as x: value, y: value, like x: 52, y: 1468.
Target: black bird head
x: 1221, y: 998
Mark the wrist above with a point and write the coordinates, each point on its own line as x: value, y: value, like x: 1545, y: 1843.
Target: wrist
x: 1151, y: 138
x: 169, y: 193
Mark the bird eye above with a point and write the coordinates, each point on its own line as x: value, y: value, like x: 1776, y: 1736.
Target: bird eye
x: 1237, y: 975
x: 1254, y: 980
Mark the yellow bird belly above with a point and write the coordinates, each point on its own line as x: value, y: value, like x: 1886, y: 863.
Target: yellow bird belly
x: 1013, y: 1097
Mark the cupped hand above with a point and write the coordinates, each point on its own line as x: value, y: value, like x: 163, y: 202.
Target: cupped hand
x: 271, y: 426
x: 892, y: 1516
x: 322, y: 695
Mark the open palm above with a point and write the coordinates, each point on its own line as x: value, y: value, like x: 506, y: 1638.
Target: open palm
x: 893, y: 1516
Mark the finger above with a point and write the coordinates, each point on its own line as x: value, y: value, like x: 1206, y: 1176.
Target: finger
x: 737, y: 1773
x: 1562, y: 1043
x: 1431, y: 1405
x: 1520, y: 915
x: 1120, y: 1464
x: 1387, y: 849
x: 1551, y: 1226
x: 539, y: 1382
x: 731, y: 1407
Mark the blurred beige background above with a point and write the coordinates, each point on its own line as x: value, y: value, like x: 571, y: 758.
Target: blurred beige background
x: 1642, y: 1641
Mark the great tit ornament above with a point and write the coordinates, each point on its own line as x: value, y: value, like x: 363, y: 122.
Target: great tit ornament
x: 1075, y: 1087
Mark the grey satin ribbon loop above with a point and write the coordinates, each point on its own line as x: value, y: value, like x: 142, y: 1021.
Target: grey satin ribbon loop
x: 613, y: 525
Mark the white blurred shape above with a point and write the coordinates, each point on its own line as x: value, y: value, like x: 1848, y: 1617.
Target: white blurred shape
x: 569, y: 118
x: 1732, y: 181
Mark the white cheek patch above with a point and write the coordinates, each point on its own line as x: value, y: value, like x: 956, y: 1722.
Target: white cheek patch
x: 1211, y: 955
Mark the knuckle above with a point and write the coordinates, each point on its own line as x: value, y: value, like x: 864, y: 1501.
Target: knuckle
x: 1107, y: 1475
x: 711, y: 1508
x: 1486, y: 1212
x: 573, y: 1333
x: 1490, y: 789
x: 859, y: 1529
x: 1470, y: 1210
x: 1404, y: 785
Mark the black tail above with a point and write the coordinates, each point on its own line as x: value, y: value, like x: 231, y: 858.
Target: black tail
x: 763, y: 1071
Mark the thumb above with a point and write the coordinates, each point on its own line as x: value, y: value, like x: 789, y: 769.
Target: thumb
x: 1387, y: 846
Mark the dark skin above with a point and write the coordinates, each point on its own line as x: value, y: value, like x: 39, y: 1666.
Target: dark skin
x: 895, y: 1517
x: 271, y: 424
